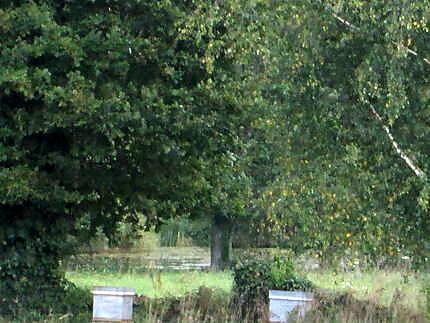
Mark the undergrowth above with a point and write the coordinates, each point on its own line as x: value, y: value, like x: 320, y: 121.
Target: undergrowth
x: 208, y: 305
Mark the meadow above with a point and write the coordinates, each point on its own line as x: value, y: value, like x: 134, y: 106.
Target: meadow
x: 355, y: 295
x: 382, y: 286
x: 156, y: 284
x: 372, y: 295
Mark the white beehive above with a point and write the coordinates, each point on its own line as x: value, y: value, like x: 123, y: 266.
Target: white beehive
x: 282, y: 303
x: 113, y: 304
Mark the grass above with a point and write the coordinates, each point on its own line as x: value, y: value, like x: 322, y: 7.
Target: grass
x: 156, y: 284
x: 176, y: 297
x: 384, y: 286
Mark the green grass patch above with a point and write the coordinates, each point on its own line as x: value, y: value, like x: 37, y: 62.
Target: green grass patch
x: 156, y: 284
x: 374, y: 296
x: 384, y: 287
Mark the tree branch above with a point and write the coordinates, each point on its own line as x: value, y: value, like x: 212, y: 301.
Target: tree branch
x: 355, y: 28
x: 418, y: 172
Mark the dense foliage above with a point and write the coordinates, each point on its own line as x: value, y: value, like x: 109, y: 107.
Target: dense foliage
x: 113, y: 108
x: 309, y: 117
x: 254, y: 278
x: 345, y: 165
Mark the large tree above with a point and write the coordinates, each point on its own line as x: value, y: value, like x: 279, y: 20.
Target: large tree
x: 108, y: 108
x: 350, y: 124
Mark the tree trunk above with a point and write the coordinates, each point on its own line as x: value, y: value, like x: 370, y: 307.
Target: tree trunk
x: 220, y: 244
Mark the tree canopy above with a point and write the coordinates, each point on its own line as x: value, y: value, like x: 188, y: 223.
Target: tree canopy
x: 113, y: 108
x: 310, y: 117
x: 350, y: 127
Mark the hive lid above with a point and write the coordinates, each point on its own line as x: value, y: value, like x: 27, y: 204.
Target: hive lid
x: 293, y: 296
x: 114, y: 291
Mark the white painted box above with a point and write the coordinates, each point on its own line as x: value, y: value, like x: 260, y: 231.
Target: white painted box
x: 113, y: 304
x: 282, y: 303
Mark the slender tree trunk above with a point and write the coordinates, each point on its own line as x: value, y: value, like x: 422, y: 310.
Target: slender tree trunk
x: 220, y: 243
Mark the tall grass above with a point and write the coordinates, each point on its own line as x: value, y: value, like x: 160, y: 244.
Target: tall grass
x: 403, y: 287
x: 344, y: 307
x: 209, y: 306
x: 406, y: 288
x: 356, y: 296
x: 373, y: 296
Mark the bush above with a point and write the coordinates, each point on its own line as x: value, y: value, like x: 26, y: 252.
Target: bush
x: 254, y: 278
x: 68, y: 301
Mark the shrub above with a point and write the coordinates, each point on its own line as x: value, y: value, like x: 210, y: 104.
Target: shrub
x: 53, y: 305
x: 254, y: 278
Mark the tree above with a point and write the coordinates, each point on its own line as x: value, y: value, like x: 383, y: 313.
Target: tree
x: 352, y: 96
x: 113, y: 108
